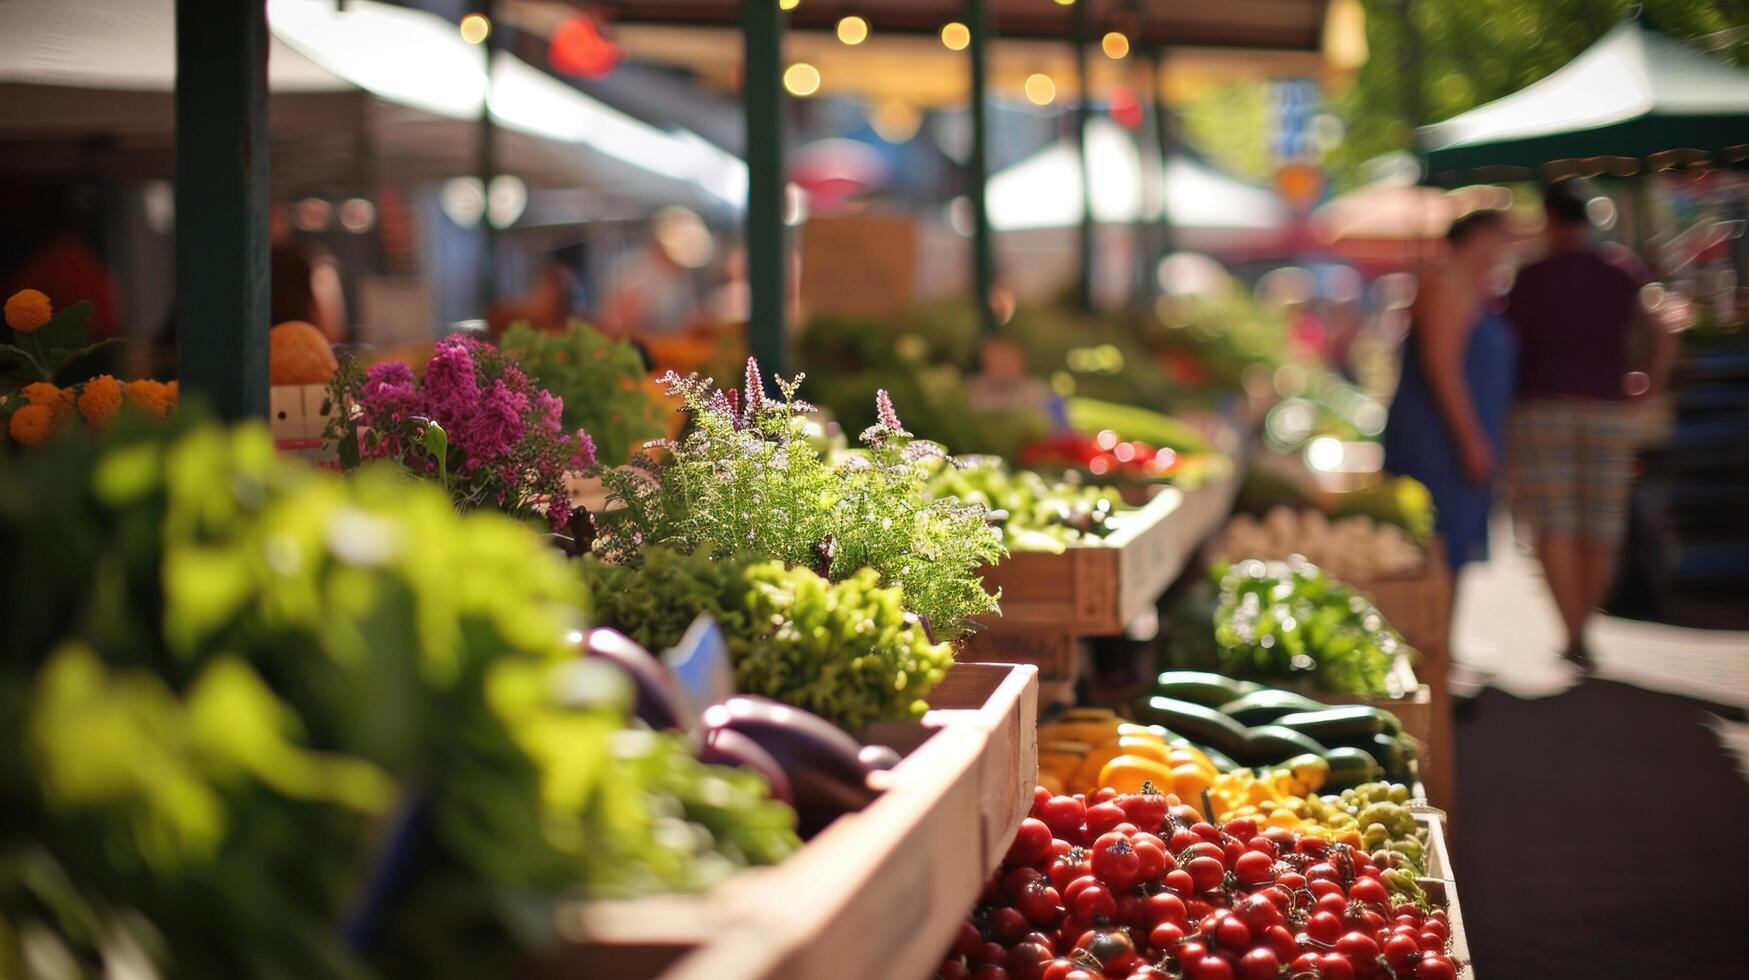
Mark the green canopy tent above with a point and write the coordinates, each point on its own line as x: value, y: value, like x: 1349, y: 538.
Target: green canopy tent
x: 1636, y: 100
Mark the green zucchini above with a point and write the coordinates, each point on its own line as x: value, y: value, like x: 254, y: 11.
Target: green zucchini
x: 1204, y: 726
x: 1342, y: 721
x: 1201, y: 687
x: 1267, y: 745
x: 1349, y: 768
x: 1265, y: 706
x: 1222, y: 761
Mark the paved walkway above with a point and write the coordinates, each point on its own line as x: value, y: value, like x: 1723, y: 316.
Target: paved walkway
x: 1506, y: 624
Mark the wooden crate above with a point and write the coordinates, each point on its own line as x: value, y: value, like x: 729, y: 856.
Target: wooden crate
x: 878, y: 893
x: 1419, y: 606
x: 1440, y: 884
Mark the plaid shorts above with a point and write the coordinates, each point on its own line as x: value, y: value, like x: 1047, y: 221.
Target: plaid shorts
x: 1573, y: 466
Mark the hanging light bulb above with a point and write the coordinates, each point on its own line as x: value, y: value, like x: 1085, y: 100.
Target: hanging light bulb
x: 956, y: 35
x: 1040, y: 89
x: 801, y: 79
x: 475, y: 28
x: 852, y: 30
x: 1115, y: 45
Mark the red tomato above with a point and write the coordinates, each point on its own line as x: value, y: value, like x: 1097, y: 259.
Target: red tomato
x: 1182, y: 838
x: 1164, y: 936
x: 1260, y: 964
x: 1151, y: 853
x: 989, y: 971
x: 952, y: 969
x: 1041, y: 904
x: 1334, y: 966
x: 1254, y: 867
x: 1324, y: 928
x: 1281, y: 941
x: 1102, y: 817
x: 1205, y: 872
x: 1358, y: 947
x: 1166, y: 907
x: 1063, y: 814
x: 1115, y: 861
x: 990, y: 953
x: 1401, y: 952
x: 1007, y: 925
x: 1032, y: 844
x: 968, y: 940
x: 1210, y: 968
x: 1068, y: 867
x: 1232, y: 933
x: 1434, y: 966
x: 1263, y: 845
x: 1094, y: 902
x: 1436, y: 925
x: 1207, y: 831
x: 1180, y: 882
x: 1026, y: 961
x: 1369, y: 890
x: 1243, y: 828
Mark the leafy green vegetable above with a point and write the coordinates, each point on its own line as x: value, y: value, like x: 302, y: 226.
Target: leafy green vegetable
x: 1277, y: 620
x: 847, y: 651
x: 263, y: 721
x: 747, y: 480
x: 1031, y: 513
x: 600, y: 379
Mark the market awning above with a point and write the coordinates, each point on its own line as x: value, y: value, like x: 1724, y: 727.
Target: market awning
x: 401, y: 80
x: 1637, y: 99
x: 1044, y: 190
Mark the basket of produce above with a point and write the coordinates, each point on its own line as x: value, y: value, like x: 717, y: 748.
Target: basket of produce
x: 1137, y: 883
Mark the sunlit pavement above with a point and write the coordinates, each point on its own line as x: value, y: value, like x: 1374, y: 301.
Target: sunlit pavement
x: 1506, y: 626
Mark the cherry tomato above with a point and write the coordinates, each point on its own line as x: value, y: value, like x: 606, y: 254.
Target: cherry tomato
x: 1263, y: 845
x: 1132, y: 909
x: 1401, y: 952
x: 1166, y: 907
x: 1258, y: 912
x: 1332, y: 903
x: 1205, y: 849
x: 1146, y: 810
x: 1304, y: 964
x: 1369, y: 890
x: 990, y: 953
x: 1115, y: 861
x: 1041, y: 904
x: 1182, y: 838
x: 1435, y: 925
x: 1032, y: 844
x: 968, y: 940
x: 1430, y: 941
x: 952, y: 969
x: 1260, y: 964
x: 1243, y: 828
x: 1102, y: 817
x: 1007, y: 924
x: 1026, y: 961
x: 1063, y: 968
x: 1068, y: 867
x: 989, y: 971
x: 1281, y: 837
x: 1232, y: 933
x: 1334, y: 966
x: 1104, y: 794
x: 1093, y: 903
x: 1166, y: 935
x: 1210, y: 968
x: 1180, y: 881
x: 1063, y: 814
x: 1207, y: 831
x: 1254, y: 867
x: 1281, y: 941
x: 1016, y: 880
x: 1324, y: 886
x: 1324, y: 928
x: 1114, y: 950
x: 1291, y: 880
x: 1151, y: 853
x: 1358, y: 947
x: 1040, y: 796
x: 1205, y: 872
x: 1435, y: 966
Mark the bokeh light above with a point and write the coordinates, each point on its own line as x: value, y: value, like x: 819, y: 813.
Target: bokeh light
x: 1040, y: 90
x: 956, y: 35
x: 801, y: 79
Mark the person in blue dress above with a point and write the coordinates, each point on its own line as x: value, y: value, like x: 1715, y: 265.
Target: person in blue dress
x: 1448, y: 419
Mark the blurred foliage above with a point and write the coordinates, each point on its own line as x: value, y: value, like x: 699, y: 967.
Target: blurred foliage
x: 1476, y: 51
x: 1230, y: 126
x: 262, y: 721
x: 601, y: 381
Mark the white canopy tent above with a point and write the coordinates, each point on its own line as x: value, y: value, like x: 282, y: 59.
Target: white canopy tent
x: 1044, y: 191
x: 90, y: 83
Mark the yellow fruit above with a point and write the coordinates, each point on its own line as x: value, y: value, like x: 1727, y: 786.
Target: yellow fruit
x: 1127, y: 774
x: 1188, y: 781
x: 1154, y: 732
x: 299, y: 354
x: 1282, y: 818
x: 1194, y: 757
x: 1147, y: 748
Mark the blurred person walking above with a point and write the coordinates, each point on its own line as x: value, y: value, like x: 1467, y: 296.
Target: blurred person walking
x: 1448, y: 418
x: 1576, y: 426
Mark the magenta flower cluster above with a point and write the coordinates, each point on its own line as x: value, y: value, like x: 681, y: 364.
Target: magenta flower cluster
x: 504, y: 443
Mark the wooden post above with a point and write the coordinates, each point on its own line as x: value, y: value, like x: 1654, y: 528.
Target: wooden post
x: 488, y: 164
x: 221, y: 204
x: 978, y: 167
x: 1083, y: 115
x: 762, y: 25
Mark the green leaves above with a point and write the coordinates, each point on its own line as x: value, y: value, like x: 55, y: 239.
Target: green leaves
x: 600, y: 380
x: 1276, y: 621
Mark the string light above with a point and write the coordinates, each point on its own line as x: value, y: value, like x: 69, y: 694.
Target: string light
x: 1040, y: 90
x: 852, y: 30
x: 801, y: 79
x: 1115, y: 45
x: 475, y: 28
x: 956, y: 35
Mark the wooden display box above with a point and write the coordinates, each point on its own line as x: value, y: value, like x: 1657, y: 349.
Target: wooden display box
x: 1414, y: 711
x: 1441, y: 886
x: 1098, y: 588
x: 1419, y: 607
x: 877, y: 894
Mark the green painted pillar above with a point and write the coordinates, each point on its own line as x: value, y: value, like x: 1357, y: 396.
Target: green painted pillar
x: 1083, y: 115
x: 978, y: 167
x: 221, y: 204
x: 488, y: 164
x: 1165, y: 139
x: 762, y: 25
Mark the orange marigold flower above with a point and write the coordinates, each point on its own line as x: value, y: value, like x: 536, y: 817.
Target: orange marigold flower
x: 32, y: 425
x: 28, y: 310
x: 153, y: 397
x: 100, y: 400
x: 175, y: 389
x: 57, y: 400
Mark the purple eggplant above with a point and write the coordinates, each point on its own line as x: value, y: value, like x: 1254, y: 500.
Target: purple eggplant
x: 821, y: 761
x: 727, y: 747
x: 655, y: 688
x: 877, y: 757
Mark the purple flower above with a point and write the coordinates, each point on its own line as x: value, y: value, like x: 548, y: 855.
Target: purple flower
x: 583, y: 451
x: 451, y: 388
x: 549, y: 412
x: 755, y: 397
x: 493, y: 427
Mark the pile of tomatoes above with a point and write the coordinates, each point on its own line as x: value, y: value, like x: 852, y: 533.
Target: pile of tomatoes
x: 1139, y: 886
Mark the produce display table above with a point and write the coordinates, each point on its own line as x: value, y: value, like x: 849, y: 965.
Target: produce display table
x: 1052, y: 601
x: 1419, y: 606
x: 878, y: 893
x: 1440, y: 886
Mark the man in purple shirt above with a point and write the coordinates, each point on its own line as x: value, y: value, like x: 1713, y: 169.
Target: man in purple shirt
x: 1581, y: 327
